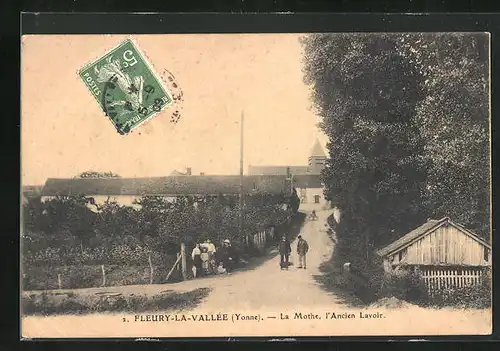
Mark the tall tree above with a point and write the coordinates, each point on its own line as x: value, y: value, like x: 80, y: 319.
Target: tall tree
x: 454, y: 120
x: 366, y: 93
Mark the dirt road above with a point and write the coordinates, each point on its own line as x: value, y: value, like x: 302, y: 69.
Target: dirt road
x: 275, y: 297
x: 268, y: 287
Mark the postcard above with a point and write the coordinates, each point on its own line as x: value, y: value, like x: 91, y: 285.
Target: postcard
x: 255, y: 185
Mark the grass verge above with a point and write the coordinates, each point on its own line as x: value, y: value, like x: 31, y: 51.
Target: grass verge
x: 46, y: 304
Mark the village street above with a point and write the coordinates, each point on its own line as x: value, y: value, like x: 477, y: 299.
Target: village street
x: 270, y: 294
x: 389, y: 133
x: 269, y: 288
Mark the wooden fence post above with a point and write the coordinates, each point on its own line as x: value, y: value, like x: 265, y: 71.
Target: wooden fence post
x: 183, y: 261
x: 151, y: 272
x: 59, y: 283
x: 103, y: 275
x: 173, y: 267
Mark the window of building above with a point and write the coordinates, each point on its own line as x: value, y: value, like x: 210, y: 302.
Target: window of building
x: 316, y: 199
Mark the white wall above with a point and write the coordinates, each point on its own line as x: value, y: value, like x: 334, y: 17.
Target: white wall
x: 307, y: 195
x: 124, y: 200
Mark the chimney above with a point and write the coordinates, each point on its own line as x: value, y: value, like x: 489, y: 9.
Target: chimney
x: 288, y: 172
x: 188, y: 171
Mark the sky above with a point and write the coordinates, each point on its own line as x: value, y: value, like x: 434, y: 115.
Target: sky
x: 64, y: 131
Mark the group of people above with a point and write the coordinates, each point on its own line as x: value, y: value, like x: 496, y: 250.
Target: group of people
x: 285, y: 250
x: 207, y: 259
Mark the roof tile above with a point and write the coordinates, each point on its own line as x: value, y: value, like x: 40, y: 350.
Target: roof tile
x: 173, y: 185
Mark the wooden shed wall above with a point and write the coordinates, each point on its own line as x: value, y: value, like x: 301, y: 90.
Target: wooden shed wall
x: 446, y: 245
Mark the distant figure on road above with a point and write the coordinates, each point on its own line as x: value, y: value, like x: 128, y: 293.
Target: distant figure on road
x: 313, y: 215
x: 196, y: 256
x: 285, y: 250
x: 302, y: 248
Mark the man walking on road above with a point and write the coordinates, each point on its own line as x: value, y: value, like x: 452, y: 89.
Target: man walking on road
x: 302, y: 248
x: 285, y: 250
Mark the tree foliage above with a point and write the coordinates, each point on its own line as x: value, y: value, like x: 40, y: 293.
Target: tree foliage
x: 66, y: 227
x: 366, y: 93
x: 407, y: 121
x: 453, y: 119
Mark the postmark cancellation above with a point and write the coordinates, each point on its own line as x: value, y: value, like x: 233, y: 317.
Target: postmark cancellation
x: 125, y: 86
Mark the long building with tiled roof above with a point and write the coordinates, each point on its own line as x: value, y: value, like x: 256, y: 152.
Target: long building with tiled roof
x: 173, y: 185
x: 127, y: 190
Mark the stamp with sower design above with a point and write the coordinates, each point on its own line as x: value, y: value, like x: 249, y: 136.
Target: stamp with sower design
x: 126, y: 87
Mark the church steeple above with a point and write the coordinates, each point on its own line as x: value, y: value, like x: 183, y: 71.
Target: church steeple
x: 317, y: 149
x: 317, y: 158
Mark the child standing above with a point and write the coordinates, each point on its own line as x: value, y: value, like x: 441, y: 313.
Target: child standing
x: 205, y: 260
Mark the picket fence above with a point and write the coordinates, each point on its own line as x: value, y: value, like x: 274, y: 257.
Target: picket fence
x: 438, y: 278
x: 259, y: 239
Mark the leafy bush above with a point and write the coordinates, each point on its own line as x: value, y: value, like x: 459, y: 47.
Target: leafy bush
x: 124, y: 254
x: 475, y: 296
x: 409, y: 286
x: 73, y: 237
x: 83, y: 277
x: 404, y: 285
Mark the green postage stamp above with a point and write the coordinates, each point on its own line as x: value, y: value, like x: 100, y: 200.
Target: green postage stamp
x: 126, y: 87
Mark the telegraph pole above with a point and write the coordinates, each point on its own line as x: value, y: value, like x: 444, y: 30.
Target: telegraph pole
x: 241, y: 176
